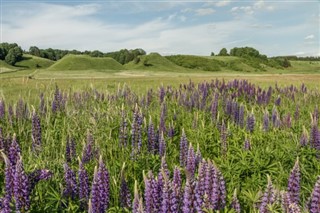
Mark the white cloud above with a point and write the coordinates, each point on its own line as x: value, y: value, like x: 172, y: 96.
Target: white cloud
x: 204, y: 11
x: 223, y: 3
x: 309, y: 37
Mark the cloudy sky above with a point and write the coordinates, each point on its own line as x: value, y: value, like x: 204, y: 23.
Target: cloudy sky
x: 168, y: 27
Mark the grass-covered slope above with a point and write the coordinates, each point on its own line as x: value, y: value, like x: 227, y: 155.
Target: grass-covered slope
x: 155, y: 62
x: 34, y: 62
x: 4, y: 67
x: 84, y: 62
x: 196, y: 62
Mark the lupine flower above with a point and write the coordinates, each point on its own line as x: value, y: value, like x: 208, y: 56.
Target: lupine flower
x: 2, y: 109
x: 247, y: 144
x: 315, y: 135
x: 314, y: 205
x: 268, y: 197
x: 123, y: 132
x: 304, y: 137
x: 223, y: 139
x: 177, y: 179
x: 235, y: 202
x: 87, y: 153
x: 250, y: 122
x: 137, y: 206
x: 171, y: 130
x: 241, y: 116
x: 21, y: 189
x: 38, y: 175
x: 70, y: 149
x: 84, y: 190
x: 71, y: 188
x: 36, y: 131
x: 9, y: 184
x: 200, y: 186
x: 274, y: 115
x: 214, y: 107
x: 163, y: 114
x: 294, y: 183
x: 165, y: 199
x: 150, y: 194
x: 151, y: 137
x: 162, y: 145
x: 218, y: 190
x: 191, y: 163
x: 14, y: 151
x: 136, y: 134
x: 183, y: 149
x: 189, y: 197
x: 297, y: 113
x: 42, y: 106
x: 198, y: 156
x: 162, y: 93
x: 164, y: 166
x: 278, y: 101
x: 266, y: 121
x: 287, y: 204
x: 125, y: 196
x: 2, y: 141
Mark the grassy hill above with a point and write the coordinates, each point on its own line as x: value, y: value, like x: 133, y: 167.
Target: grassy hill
x: 85, y: 62
x: 154, y: 62
x: 4, y: 67
x: 34, y: 62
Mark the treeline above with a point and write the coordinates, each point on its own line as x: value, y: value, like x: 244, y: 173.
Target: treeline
x: 10, y: 53
x: 254, y: 58
x: 299, y: 58
x: 122, y: 56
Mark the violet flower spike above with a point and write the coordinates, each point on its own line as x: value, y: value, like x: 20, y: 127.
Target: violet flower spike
x: 294, y: 183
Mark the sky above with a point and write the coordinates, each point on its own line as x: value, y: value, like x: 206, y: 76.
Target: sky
x: 167, y: 27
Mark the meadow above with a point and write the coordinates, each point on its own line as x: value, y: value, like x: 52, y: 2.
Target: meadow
x: 153, y: 140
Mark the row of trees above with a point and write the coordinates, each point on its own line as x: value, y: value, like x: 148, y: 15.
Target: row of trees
x: 123, y: 56
x: 11, y: 53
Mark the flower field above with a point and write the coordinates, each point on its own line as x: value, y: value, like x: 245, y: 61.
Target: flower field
x: 213, y: 146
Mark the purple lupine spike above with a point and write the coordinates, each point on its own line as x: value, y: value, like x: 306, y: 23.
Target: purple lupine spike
x: 183, y: 149
x: 9, y: 184
x: 266, y: 121
x: 70, y: 149
x: 191, y: 163
x: 149, y: 193
x: 314, y: 135
x: 71, y: 188
x: 136, y: 134
x: 268, y: 197
x: 2, y: 109
x: 304, y: 138
x: 287, y: 120
x: 198, y: 155
x: 218, y: 190
x: 124, y: 196
x: 100, y: 188
x: 162, y: 145
x: 223, y: 139
x: 177, y: 179
x: 164, y: 166
x: 247, y: 144
x: 87, y: 153
x: 163, y: 115
x: 214, y: 107
x: 171, y: 130
x: 68, y: 154
x: 189, y: 197
x: 314, y: 205
x: 315, y: 114
x: 14, y: 151
x: 42, y: 105
x: 200, y: 186
x: 278, y: 101
x: 2, y: 141
x: 10, y: 113
x: 84, y: 189
x: 165, y: 195
x: 174, y: 198
x: 123, y: 132
x: 151, y: 137
x: 250, y: 122
x: 21, y: 189
x: 137, y: 206
x: 209, y: 181
x: 162, y: 94
x: 294, y: 183
x: 241, y: 116
x: 285, y: 201
x: 235, y: 204
x: 38, y: 175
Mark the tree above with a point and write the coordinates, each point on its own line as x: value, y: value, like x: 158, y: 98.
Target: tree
x: 14, y: 55
x: 212, y: 53
x: 33, y: 50
x: 223, y: 52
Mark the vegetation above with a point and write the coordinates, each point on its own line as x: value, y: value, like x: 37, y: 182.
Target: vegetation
x: 256, y: 147
x: 196, y: 62
x: 10, y: 53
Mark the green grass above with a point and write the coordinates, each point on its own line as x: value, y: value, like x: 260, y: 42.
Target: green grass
x: 34, y: 62
x: 154, y: 62
x: 4, y: 67
x: 84, y: 62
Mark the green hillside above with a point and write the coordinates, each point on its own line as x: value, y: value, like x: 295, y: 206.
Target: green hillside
x: 155, y: 62
x: 4, y: 67
x: 196, y: 62
x: 84, y: 62
x: 34, y: 62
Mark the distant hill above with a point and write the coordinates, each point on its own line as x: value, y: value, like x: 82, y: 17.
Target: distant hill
x: 154, y: 62
x: 85, y: 62
x: 34, y: 62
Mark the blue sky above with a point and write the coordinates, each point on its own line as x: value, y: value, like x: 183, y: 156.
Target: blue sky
x: 167, y: 27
